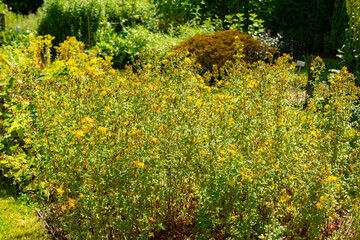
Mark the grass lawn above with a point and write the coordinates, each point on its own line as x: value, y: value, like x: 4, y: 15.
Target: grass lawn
x: 17, y: 217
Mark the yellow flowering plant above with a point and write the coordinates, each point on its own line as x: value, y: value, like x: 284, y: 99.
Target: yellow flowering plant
x: 153, y: 152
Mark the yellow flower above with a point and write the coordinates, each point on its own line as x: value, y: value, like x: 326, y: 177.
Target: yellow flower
x: 350, y: 134
x: 27, y: 140
x: 60, y: 191
x: 288, y: 208
x: 284, y: 198
x: 319, y: 205
x: 103, y: 93
x: 232, y: 151
x: 232, y: 183
x: 170, y: 54
x: 139, y: 164
x: 102, y: 129
x: 331, y: 178
x: 79, y: 133
x: 198, y: 103
x: 327, y: 137
x: 71, y: 202
x: 251, y: 84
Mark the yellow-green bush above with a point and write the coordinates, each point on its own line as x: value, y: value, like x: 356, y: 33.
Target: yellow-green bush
x: 157, y: 154
x: 217, y: 48
x: 20, y: 69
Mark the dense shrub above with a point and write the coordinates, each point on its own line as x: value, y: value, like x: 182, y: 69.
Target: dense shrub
x: 14, y: 129
x: 220, y: 47
x: 314, y: 23
x: 351, y: 49
x: 175, y: 12
x: 125, y: 47
x: 159, y: 154
x: 82, y: 19
x: 127, y: 13
x: 62, y: 18
x: 335, y: 38
x: 16, y: 107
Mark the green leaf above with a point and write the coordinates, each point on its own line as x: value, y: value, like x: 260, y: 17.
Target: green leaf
x: 11, y: 82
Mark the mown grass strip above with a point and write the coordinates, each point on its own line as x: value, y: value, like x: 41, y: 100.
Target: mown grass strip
x: 17, y: 215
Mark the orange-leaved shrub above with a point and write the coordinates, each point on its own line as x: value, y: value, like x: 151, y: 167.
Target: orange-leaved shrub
x: 216, y: 49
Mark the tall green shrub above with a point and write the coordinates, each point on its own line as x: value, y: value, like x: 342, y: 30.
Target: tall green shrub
x: 335, y: 38
x: 352, y: 44
x: 62, y: 18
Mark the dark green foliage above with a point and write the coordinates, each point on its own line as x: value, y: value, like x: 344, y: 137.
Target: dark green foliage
x: 318, y: 25
x: 176, y: 12
x: 335, y: 38
x: 351, y: 48
x: 217, y: 48
x: 124, y: 47
x: 24, y: 6
x: 355, y: 114
x: 80, y: 19
x: 11, y: 37
x: 306, y: 20
x: 125, y: 13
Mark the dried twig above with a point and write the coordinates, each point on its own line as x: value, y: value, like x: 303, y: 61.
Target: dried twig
x: 49, y: 228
